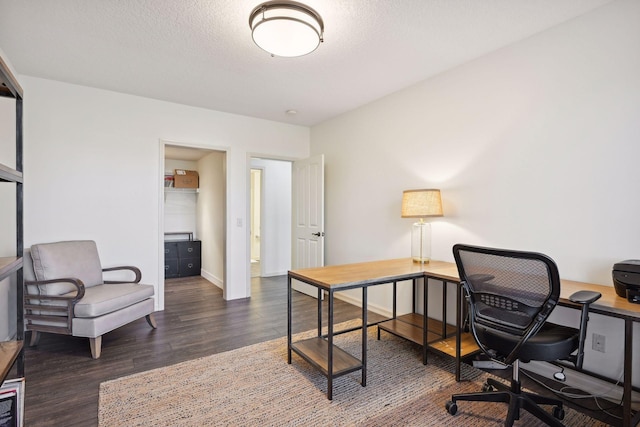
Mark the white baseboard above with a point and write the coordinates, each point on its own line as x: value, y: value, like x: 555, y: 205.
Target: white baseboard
x: 371, y: 307
x: 211, y: 278
x: 277, y: 273
x: 582, y: 381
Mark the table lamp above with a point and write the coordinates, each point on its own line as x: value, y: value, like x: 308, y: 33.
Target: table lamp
x: 421, y: 204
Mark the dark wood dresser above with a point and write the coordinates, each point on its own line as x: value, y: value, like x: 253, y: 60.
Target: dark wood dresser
x: 182, y: 258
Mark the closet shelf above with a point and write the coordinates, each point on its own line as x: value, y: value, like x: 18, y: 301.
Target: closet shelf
x: 181, y: 190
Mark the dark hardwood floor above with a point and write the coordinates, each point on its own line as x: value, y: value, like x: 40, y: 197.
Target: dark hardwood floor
x: 62, y: 380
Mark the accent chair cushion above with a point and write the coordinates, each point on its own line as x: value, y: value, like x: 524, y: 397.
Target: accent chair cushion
x: 72, y: 259
x: 104, y: 299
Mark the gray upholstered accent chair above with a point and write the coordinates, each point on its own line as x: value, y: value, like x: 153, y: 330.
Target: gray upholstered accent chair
x: 65, y: 293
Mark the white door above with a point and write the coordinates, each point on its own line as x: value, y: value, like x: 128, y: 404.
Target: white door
x: 308, y: 218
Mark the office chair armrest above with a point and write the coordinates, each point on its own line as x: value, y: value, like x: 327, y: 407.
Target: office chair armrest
x: 585, y: 297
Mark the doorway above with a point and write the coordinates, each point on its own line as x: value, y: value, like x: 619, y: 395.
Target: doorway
x: 255, y: 222
x: 270, y: 211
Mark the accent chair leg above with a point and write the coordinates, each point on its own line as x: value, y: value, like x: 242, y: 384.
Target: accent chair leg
x: 35, y: 337
x: 96, y: 346
x: 151, y: 320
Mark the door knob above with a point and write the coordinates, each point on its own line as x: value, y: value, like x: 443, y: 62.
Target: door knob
x: 318, y: 234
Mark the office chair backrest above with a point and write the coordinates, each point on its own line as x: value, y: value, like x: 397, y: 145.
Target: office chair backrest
x: 509, y: 292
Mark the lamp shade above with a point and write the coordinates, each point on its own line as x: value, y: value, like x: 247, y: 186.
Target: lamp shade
x: 286, y: 28
x: 421, y: 203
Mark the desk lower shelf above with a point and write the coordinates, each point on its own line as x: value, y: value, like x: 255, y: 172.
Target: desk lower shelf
x: 315, y: 351
x: 409, y: 326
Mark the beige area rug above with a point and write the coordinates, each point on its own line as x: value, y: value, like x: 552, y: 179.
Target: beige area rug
x: 254, y: 386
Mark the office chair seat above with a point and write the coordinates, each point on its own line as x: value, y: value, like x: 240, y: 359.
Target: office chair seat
x: 551, y: 343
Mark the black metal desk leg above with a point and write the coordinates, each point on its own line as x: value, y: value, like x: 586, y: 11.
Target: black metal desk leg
x: 395, y: 300
x: 330, y: 348
x: 414, y: 283
x: 444, y: 309
x: 364, y: 336
x: 459, y: 314
x: 626, y: 394
x: 289, y: 307
x: 319, y: 312
x: 425, y: 318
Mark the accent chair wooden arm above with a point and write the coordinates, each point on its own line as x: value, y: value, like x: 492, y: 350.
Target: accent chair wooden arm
x: 135, y: 270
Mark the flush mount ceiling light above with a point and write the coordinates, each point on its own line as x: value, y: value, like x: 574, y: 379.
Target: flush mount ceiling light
x: 286, y: 28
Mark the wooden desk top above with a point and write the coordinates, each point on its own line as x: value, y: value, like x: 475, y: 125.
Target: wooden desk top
x: 347, y: 276
x: 366, y: 273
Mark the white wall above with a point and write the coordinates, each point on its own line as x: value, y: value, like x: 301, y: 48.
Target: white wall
x: 276, y: 216
x: 211, y: 215
x: 534, y: 146
x: 92, y: 171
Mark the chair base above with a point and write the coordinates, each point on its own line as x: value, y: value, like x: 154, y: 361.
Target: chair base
x: 516, y: 399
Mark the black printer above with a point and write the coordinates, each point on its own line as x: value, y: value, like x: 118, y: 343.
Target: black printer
x: 626, y: 279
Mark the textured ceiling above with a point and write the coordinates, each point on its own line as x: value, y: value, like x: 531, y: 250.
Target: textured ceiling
x: 200, y: 52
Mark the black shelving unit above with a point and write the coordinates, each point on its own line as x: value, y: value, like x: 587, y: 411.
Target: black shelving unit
x: 11, y: 352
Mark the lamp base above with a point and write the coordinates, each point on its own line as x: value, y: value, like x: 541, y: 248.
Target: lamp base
x: 421, y: 242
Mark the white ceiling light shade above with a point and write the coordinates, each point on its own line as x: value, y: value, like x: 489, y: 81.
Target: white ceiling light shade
x: 286, y: 28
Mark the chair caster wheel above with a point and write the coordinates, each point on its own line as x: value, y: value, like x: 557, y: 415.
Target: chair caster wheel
x: 486, y: 388
x: 558, y: 412
x: 452, y: 407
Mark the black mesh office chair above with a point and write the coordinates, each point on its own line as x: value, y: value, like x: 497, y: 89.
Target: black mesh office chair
x: 511, y: 294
